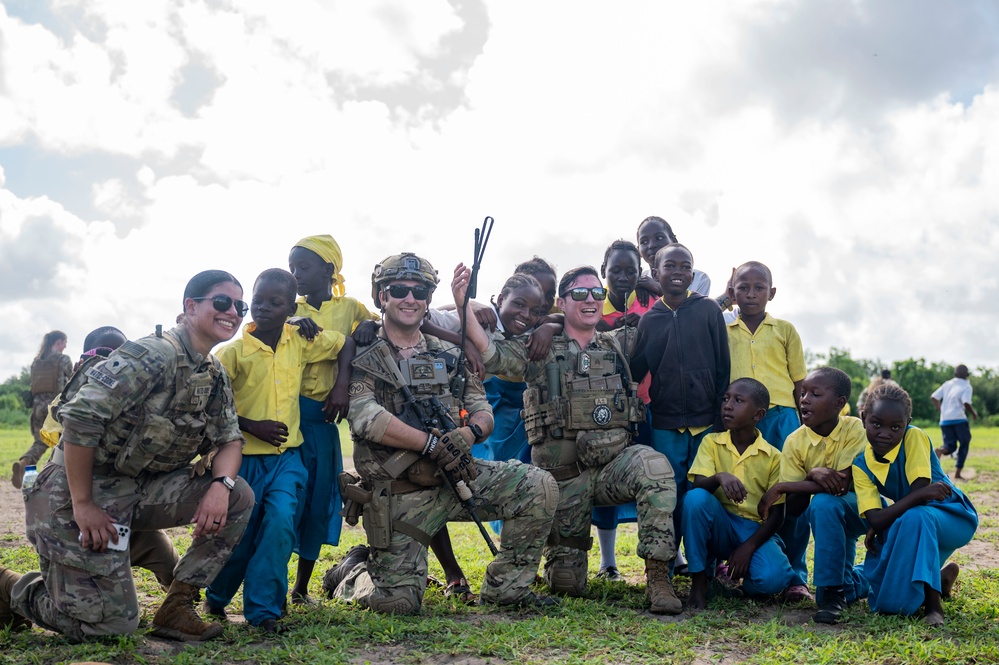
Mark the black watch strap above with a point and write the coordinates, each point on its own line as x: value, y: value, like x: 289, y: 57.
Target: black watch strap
x: 477, y: 431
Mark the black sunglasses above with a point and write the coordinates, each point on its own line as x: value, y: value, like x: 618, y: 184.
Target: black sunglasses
x: 222, y: 303
x: 580, y: 292
x: 400, y: 291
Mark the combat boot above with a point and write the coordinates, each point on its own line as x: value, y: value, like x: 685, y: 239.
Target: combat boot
x: 662, y: 597
x: 8, y: 617
x: 177, y: 620
x: 355, y: 555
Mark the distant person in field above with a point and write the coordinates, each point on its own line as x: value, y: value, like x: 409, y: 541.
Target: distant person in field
x: 880, y: 380
x: 953, y: 401
x: 50, y: 370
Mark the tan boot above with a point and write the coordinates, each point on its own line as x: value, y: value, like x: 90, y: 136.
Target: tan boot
x: 177, y: 620
x: 662, y: 597
x: 8, y: 617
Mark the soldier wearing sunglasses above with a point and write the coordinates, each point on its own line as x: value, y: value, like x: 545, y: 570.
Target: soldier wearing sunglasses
x: 130, y: 434
x: 401, y: 466
x: 580, y: 414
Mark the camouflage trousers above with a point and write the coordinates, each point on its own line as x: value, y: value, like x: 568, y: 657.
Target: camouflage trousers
x: 394, y: 578
x: 39, y: 410
x: 81, y: 593
x: 639, y: 474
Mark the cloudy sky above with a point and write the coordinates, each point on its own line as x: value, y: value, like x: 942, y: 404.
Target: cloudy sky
x: 851, y: 146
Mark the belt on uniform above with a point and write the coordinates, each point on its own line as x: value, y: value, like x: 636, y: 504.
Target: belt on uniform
x: 566, y: 472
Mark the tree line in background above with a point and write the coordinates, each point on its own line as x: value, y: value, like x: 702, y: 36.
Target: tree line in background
x: 917, y: 376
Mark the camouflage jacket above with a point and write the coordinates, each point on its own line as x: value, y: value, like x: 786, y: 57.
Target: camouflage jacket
x: 153, y: 405
x: 572, y: 392
x: 374, y: 402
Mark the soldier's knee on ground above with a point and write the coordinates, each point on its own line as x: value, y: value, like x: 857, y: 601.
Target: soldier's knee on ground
x: 566, y: 580
x: 398, y: 600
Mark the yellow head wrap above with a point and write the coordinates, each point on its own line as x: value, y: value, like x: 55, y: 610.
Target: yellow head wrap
x: 327, y: 249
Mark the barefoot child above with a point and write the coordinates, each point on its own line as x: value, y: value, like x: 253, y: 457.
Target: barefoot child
x: 316, y: 261
x: 928, y: 520
x: 815, y: 473
x: 265, y: 365
x: 730, y: 474
x: 769, y: 350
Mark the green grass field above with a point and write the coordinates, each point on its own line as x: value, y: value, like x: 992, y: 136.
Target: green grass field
x: 609, y: 626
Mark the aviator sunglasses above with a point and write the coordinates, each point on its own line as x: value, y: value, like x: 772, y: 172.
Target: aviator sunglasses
x: 222, y: 303
x: 580, y: 292
x: 400, y: 291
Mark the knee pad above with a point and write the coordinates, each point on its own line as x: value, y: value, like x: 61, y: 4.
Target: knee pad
x: 400, y: 600
x: 551, y: 493
x: 566, y: 580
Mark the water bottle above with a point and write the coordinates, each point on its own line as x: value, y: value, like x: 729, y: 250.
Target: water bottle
x: 30, y: 475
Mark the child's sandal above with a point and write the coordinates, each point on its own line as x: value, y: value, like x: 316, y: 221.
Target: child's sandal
x: 460, y: 590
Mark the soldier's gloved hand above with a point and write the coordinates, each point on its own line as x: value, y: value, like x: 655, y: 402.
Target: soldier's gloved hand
x: 445, y: 451
x: 463, y: 437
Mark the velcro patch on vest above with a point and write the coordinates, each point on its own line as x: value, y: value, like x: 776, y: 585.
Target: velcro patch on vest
x: 355, y: 388
x: 132, y: 349
x: 100, y: 377
x: 202, y: 391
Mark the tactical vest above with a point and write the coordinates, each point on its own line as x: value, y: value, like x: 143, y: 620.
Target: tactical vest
x: 170, y: 428
x: 45, y: 374
x: 584, y: 408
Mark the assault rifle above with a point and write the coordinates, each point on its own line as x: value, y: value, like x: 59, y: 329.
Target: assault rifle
x: 424, y: 413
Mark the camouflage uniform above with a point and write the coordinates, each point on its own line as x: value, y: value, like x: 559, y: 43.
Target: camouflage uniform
x: 148, y: 410
x: 394, y: 577
x: 582, y: 436
x: 48, y: 376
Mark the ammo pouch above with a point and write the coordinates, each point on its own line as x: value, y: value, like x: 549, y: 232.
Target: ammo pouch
x: 157, y: 446
x: 598, y: 447
x: 539, y: 418
x: 354, y: 496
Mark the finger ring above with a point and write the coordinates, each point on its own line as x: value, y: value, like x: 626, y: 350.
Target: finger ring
x: 217, y: 522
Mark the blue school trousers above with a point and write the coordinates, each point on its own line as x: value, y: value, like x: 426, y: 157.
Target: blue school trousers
x: 508, y: 439
x: 260, y: 561
x: 913, y: 551
x: 319, y: 514
x: 836, y: 525
x: 680, y: 448
x: 712, y: 533
x: 779, y: 422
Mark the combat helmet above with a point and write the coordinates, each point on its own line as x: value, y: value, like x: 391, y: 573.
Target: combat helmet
x: 402, y: 266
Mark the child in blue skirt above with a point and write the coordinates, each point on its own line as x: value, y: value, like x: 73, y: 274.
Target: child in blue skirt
x: 928, y: 520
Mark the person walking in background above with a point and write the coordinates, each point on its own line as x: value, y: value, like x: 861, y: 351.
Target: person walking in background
x: 50, y: 370
x: 953, y: 401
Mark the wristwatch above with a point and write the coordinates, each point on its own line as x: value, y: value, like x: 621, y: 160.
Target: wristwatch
x: 476, y: 432
x: 225, y: 480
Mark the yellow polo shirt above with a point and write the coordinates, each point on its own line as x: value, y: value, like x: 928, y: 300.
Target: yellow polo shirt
x: 266, y: 382
x: 758, y: 468
x: 917, y: 465
x: 339, y: 315
x: 772, y: 355
x: 805, y: 450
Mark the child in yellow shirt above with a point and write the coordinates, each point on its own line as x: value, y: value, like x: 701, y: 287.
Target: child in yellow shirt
x: 266, y: 367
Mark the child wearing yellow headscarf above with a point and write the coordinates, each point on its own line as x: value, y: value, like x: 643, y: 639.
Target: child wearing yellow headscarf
x: 316, y: 262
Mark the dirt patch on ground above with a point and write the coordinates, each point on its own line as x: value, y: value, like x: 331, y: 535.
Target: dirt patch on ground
x: 11, y: 515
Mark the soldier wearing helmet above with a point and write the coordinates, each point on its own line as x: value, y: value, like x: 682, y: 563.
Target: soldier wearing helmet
x: 401, y: 465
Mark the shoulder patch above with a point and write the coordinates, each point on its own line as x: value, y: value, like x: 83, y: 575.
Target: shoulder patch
x: 95, y: 374
x: 355, y: 388
x: 130, y: 348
